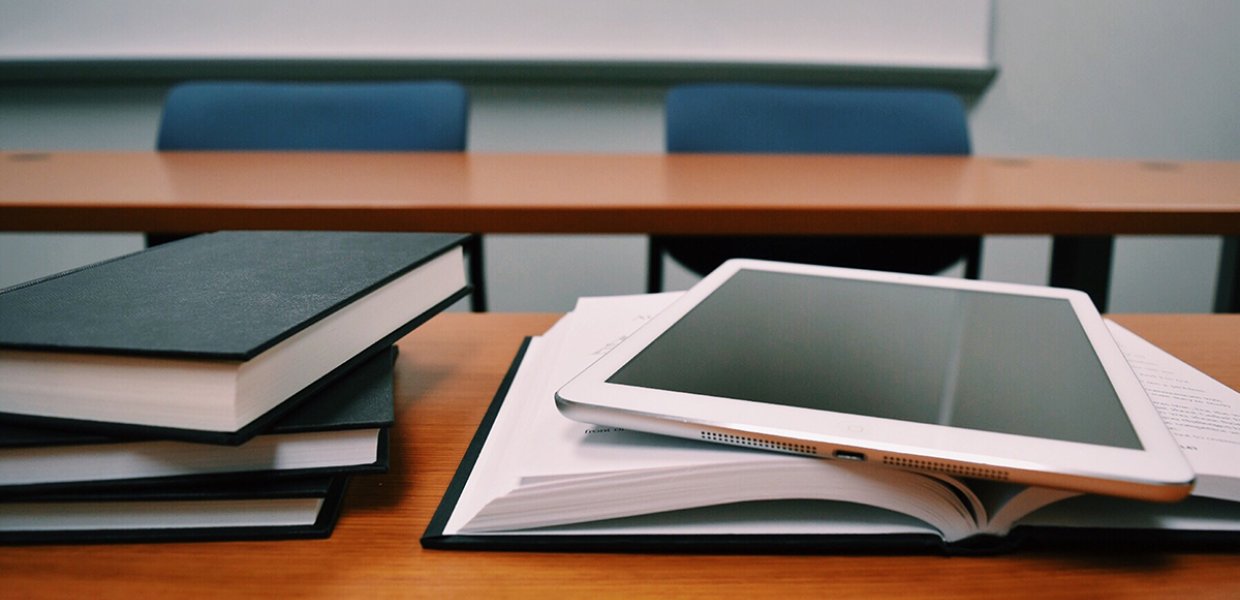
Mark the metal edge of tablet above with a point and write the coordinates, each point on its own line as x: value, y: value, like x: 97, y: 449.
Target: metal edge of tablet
x: 927, y: 461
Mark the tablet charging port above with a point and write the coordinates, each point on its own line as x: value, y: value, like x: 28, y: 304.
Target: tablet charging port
x: 849, y: 455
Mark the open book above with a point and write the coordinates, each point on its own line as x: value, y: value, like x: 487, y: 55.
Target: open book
x: 535, y: 479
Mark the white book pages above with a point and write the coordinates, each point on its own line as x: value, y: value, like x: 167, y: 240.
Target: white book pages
x: 1202, y: 414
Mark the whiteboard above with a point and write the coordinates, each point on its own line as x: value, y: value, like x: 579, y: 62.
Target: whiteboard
x: 952, y: 34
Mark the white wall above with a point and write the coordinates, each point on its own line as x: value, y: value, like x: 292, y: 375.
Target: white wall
x: 1125, y: 79
x: 1113, y: 78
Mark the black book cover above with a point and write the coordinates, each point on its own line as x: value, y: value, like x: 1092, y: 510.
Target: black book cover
x: 330, y: 489
x: 1021, y: 538
x: 225, y: 296
x: 222, y: 296
x: 359, y: 399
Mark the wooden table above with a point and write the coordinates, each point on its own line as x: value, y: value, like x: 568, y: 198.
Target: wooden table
x: 447, y: 372
x: 1082, y: 202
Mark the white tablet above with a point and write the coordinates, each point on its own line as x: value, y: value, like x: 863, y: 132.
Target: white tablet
x: 976, y: 379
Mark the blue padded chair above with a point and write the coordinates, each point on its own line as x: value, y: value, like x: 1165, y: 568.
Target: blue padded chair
x: 354, y: 116
x: 768, y: 119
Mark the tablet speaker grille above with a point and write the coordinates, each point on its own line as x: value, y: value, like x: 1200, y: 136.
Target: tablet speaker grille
x: 930, y: 465
x: 740, y: 440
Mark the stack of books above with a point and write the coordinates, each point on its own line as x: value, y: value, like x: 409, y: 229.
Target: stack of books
x: 224, y: 386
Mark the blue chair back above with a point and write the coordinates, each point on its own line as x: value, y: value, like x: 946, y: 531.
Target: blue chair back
x: 788, y: 119
x: 774, y: 119
x: 235, y: 115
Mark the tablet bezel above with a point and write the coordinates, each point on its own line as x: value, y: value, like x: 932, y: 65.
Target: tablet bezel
x: 1157, y: 471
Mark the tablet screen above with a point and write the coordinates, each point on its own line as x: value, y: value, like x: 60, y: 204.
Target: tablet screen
x: 972, y: 359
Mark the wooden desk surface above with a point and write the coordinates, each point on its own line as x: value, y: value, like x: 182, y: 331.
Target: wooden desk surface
x: 447, y: 373
x: 604, y: 193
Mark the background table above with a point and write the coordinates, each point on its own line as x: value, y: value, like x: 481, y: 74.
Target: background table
x: 1083, y: 203
x: 447, y: 372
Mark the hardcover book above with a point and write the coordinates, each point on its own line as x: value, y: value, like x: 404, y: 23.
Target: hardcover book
x: 342, y: 428
x: 214, y: 337
x: 534, y: 480
x: 251, y: 510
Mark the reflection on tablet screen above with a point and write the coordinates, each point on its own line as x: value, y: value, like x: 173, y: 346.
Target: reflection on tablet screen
x: 978, y: 360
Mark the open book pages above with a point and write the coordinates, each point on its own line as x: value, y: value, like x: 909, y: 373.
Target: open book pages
x: 1202, y: 414
x: 540, y: 470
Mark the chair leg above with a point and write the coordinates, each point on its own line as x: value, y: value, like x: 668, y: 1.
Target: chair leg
x: 477, y: 275
x: 654, y: 267
x: 973, y: 261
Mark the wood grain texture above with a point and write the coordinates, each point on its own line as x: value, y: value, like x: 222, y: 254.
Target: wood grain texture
x: 446, y: 374
x: 610, y: 193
